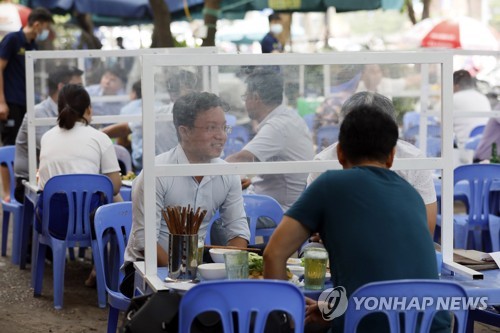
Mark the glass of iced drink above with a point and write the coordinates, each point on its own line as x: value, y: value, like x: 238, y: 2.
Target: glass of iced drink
x: 315, y: 260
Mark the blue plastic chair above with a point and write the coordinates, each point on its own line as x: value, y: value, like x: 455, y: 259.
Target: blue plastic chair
x: 473, y: 142
x: 78, y: 189
x: 208, y: 238
x: 7, y: 154
x: 233, y: 146
x: 479, y: 178
x: 411, y: 133
x: 236, y: 140
x: 257, y: 205
x: 478, y: 130
x: 112, y: 226
x: 243, y: 298
x: 433, y: 146
x: 411, y: 289
x: 309, y: 119
x: 240, y: 133
x: 325, y: 136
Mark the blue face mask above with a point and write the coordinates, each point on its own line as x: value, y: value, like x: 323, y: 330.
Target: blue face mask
x: 42, y: 35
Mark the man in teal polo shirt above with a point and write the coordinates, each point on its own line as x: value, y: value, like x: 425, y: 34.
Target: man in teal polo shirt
x: 372, y: 222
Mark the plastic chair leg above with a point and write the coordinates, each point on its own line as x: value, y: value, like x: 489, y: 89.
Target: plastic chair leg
x: 58, y: 267
x: 34, y: 255
x: 112, y: 319
x: 5, y: 232
x: 494, y: 225
x: 478, y: 240
x: 25, y: 236
x: 16, y: 237
x: 71, y: 254
x: 100, y: 277
x: 38, y: 268
x: 460, y: 236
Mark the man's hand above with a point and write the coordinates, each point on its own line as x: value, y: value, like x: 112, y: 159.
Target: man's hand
x: 313, y: 314
x: 4, y: 111
x: 245, y: 182
x: 315, y: 238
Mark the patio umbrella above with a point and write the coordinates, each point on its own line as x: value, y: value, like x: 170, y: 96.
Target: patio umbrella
x: 461, y: 33
x: 13, y: 17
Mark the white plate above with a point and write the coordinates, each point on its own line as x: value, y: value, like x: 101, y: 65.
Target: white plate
x: 127, y: 183
x: 328, y: 276
x: 180, y: 286
x: 294, y: 262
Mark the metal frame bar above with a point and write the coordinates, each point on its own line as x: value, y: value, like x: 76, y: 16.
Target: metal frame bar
x: 445, y: 162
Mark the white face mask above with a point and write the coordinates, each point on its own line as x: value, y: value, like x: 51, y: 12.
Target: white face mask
x: 43, y: 35
x: 276, y: 28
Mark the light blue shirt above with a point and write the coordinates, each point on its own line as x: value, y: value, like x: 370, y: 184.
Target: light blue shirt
x: 104, y: 108
x: 220, y: 192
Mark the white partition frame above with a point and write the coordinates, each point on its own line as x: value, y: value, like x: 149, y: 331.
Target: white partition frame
x: 80, y: 55
x: 151, y: 171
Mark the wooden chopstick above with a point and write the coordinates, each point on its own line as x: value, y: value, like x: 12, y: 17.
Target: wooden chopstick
x: 233, y: 248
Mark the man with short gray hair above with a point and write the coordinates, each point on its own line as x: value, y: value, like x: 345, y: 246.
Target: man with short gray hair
x: 421, y: 180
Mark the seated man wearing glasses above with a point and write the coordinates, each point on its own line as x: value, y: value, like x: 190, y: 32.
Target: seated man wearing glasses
x: 200, y: 123
x: 282, y: 135
x: 372, y: 222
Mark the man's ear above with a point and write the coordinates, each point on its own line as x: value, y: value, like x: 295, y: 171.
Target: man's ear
x: 341, y: 156
x: 183, y: 132
x: 390, y: 158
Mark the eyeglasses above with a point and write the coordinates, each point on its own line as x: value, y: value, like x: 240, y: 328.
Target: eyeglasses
x: 214, y: 129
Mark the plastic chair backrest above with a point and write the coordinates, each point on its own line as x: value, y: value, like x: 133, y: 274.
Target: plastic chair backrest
x: 477, y: 131
x: 421, y: 290
x: 233, y: 146
x: 7, y: 155
x: 230, y: 119
x: 326, y: 135
x: 117, y: 219
x: 432, y: 130
x: 208, y: 238
x: 433, y: 146
x: 242, y: 297
x: 479, y: 178
x: 123, y: 156
x: 78, y: 189
x: 240, y: 133
x: 257, y: 205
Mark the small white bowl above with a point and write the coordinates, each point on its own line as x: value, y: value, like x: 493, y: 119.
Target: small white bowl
x: 296, y: 270
x: 215, y: 271
x: 218, y: 254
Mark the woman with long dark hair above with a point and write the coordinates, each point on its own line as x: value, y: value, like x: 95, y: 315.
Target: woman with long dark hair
x: 74, y: 147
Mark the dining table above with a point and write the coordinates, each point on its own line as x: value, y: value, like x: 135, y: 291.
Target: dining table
x: 488, y: 287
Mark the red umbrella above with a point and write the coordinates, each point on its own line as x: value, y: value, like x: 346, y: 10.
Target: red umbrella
x: 13, y: 17
x: 461, y: 33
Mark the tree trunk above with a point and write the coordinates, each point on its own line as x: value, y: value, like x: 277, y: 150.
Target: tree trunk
x: 426, y: 9
x: 286, y: 21
x: 162, y: 35
x: 210, y: 16
x: 411, y: 11
x: 87, y: 39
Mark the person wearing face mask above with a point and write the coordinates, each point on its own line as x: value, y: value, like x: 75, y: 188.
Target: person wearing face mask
x: 12, y: 70
x: 270, y: 42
